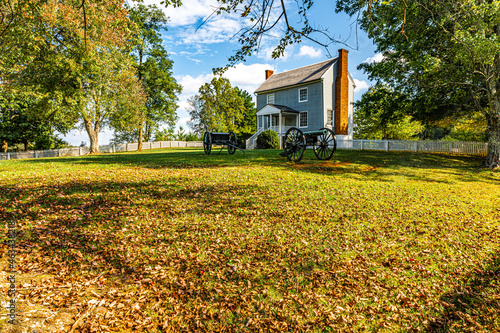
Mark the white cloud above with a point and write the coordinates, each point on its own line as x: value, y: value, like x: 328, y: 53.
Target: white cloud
x: 187, y: 14
x: 376, y: 58
x: 216, y: 30
x: 190, y: 85
x: 360, y: 85
x: 266, y: 53
x: 183, y: 122
x: 309, y: 51
x: 247, y: 77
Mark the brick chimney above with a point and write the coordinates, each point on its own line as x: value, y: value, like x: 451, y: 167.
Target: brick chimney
x: 269, y: 73
x: 342, y: 95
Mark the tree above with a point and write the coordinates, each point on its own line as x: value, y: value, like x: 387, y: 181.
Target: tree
x: 19, y: 124
x: 248, y: 126
x: 218, y: 107
x: 154, y: 70
x: 445, y: 55
x: 381, y: 114
x: 81, y: 73
x: 166, y: 134
x: 181, y: 134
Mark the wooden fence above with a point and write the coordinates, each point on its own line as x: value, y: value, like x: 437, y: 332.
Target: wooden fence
x: 451, y: 147
x: 79, y: 151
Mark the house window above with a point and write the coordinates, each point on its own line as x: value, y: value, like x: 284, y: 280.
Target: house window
x: 303, y: 119
x: 329, y: 119
x: 274, y: 121
x: 270, y: 99
x: 303, y: 95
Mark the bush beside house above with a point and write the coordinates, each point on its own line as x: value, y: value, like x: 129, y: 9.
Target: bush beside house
x: 268, y: 139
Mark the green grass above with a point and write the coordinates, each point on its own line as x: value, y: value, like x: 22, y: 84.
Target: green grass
x: 180, y: 241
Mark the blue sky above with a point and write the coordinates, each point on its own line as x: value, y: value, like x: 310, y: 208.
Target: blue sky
x: 196, y: 51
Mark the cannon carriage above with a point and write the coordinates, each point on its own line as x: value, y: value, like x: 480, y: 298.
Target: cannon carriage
x: 221, y: 139
x: 295, y: 142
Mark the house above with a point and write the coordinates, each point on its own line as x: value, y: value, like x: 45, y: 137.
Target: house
x: 310, y: 98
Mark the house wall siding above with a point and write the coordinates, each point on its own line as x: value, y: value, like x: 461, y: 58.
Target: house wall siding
x: 351, y: 108
x: 290, y: 98
x: 328, y: 95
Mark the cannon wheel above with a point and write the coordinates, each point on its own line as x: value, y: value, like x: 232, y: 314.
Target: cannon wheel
x: 233, y: 141
x: 325, y: 145
x: 207, y: 143
x: 294, y: 144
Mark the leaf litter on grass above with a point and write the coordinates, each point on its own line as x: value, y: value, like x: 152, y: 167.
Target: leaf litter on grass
x: 140, y: 242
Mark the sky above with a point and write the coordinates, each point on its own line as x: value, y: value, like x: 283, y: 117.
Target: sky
x: 197, y: 48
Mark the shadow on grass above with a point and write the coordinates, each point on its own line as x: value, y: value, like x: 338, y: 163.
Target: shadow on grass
x: 415, y: 166
x: 156, y: 159
x: 79, y: 226
x: 470, y: 306
x: 372, y: 164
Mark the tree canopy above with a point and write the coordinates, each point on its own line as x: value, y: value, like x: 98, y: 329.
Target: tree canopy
x: 72, y: 69
x: 154, y: 71
x: 220, y: 107
x: 445, y: 55
x: 382, y: 114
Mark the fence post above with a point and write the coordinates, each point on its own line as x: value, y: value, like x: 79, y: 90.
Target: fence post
x: 450, y: 147
x: 59, y: 152
x: 36, y: 154
x: 387, y: 146
x: 8, y: 156
x: 361, y: 144
x: 416, y: 146
x: 126, y: 147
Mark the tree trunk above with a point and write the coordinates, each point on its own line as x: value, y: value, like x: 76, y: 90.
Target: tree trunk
x: 26, y: 144
x: 4, y: 147
x: 147, y: 132
x: 139, y: 145
x: 493, y: 158
x: 93, y: 136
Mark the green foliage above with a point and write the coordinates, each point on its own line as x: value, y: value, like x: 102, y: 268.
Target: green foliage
x: 72, y: 71
x: 469, y: 128
x: 248, y: 126
x: 19, y: 126
x: 166, y: 134
x: 445, y: 55
x: 381, y: 114
x: 220, y: 107
x: 154, y: 70
x: 181, y: 134
x: 192, y: 137
x: 50, y: 142
x: 268, y: 139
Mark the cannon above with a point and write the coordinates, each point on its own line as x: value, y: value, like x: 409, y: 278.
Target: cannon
x: 222, y: 139
x: 296, y: 141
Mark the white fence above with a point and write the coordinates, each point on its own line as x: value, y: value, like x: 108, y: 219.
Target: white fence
x: 470, y: 148
x: 79, y: 151
x: 455, y: 147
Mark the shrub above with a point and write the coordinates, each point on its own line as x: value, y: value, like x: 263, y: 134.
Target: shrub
x: 242, y: 139
x: 268, y: 139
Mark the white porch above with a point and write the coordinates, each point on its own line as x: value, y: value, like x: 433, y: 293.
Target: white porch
x: 277, y: 118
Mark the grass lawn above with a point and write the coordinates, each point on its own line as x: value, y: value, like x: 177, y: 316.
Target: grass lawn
x: 175, y: 241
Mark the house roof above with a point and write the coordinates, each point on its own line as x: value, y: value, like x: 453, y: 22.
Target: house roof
x: 296, y: 76
x: 274, y: 109
x: 284, y: 108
